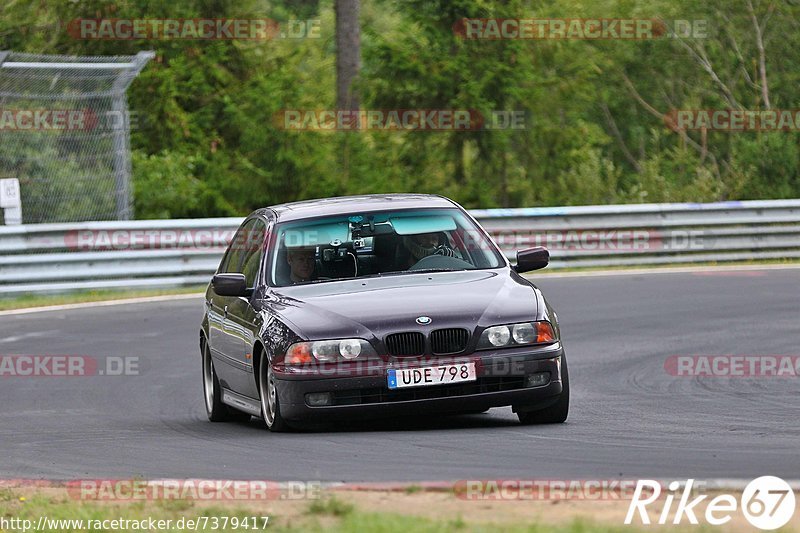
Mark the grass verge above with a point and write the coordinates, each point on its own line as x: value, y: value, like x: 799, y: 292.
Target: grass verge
x: 43, y: 300
x: 328, y: 515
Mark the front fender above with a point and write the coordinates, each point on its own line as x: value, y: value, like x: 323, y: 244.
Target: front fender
x: 274, y: 335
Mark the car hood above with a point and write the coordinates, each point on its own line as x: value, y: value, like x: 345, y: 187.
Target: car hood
x: 373, y: 307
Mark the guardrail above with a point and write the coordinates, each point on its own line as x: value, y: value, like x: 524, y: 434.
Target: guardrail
x: 169, y: 253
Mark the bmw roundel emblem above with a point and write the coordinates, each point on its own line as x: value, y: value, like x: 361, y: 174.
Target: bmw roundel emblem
x: 423, y: 320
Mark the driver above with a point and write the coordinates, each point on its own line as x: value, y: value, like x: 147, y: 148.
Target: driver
x: 302, y: 264
x: 422, y: 245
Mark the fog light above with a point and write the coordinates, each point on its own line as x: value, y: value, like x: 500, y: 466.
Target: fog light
x: 318, y: 399
x: 538, y: 379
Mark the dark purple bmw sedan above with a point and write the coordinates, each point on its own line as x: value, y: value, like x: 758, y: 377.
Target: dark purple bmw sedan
x: 375, y: 306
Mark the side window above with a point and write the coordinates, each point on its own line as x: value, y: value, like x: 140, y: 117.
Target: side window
x: 254, y: 249
x: 237, y: 249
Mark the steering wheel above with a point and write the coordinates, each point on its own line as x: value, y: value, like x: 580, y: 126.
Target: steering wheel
x: 442, y: 262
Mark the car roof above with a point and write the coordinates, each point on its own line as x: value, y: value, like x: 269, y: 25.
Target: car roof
x: 363, y: 203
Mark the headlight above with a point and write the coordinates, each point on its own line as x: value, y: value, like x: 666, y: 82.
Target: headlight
x: 350, y: 348
x: 328, y: 351
x: 524, y: 333
x: 498, y: 335
x: 517, y: 335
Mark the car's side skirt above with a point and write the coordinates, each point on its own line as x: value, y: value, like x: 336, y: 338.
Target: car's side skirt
x: 243, y: 403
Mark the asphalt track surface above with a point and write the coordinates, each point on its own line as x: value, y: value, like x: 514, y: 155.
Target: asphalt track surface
x: 629, y: 418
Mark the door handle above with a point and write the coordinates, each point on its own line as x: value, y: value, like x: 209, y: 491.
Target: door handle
x: 226, y: 311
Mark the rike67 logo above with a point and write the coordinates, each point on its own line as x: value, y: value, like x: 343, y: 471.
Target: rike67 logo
x: 767, y: 503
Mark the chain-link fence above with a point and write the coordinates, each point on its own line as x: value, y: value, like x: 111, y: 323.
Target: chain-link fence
x: 65, y: 134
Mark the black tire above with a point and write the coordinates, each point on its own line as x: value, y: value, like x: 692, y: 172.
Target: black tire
x: 553, y: 414
x: 215, y: 409
x: 270, y: 401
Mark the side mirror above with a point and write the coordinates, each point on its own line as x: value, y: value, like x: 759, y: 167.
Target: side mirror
x: 230, y: 285
x: 532, y: 259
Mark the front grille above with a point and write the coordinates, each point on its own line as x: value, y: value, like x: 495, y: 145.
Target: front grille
x: 408, y: 344
x: 384, y: 395
x: 449, y: 341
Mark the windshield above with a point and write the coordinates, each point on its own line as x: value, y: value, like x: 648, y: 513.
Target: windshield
x: 357, y: 245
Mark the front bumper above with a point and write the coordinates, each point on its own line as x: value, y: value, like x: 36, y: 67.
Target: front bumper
x: 501, y: 381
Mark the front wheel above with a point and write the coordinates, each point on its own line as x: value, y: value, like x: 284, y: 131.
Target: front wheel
x: 553, y: 414
x: 270, y: 403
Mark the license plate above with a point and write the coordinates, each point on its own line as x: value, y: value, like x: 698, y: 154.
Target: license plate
x: 431, y: 375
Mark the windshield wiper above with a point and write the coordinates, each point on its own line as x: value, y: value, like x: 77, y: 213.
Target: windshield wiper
x: 323, y: 280
x: 420, y: 271
x: 424, y: 270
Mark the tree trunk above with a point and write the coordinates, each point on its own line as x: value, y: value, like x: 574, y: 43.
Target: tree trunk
x: 348, y: 53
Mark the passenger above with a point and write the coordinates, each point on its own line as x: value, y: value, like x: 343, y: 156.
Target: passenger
x: 302, y: 264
